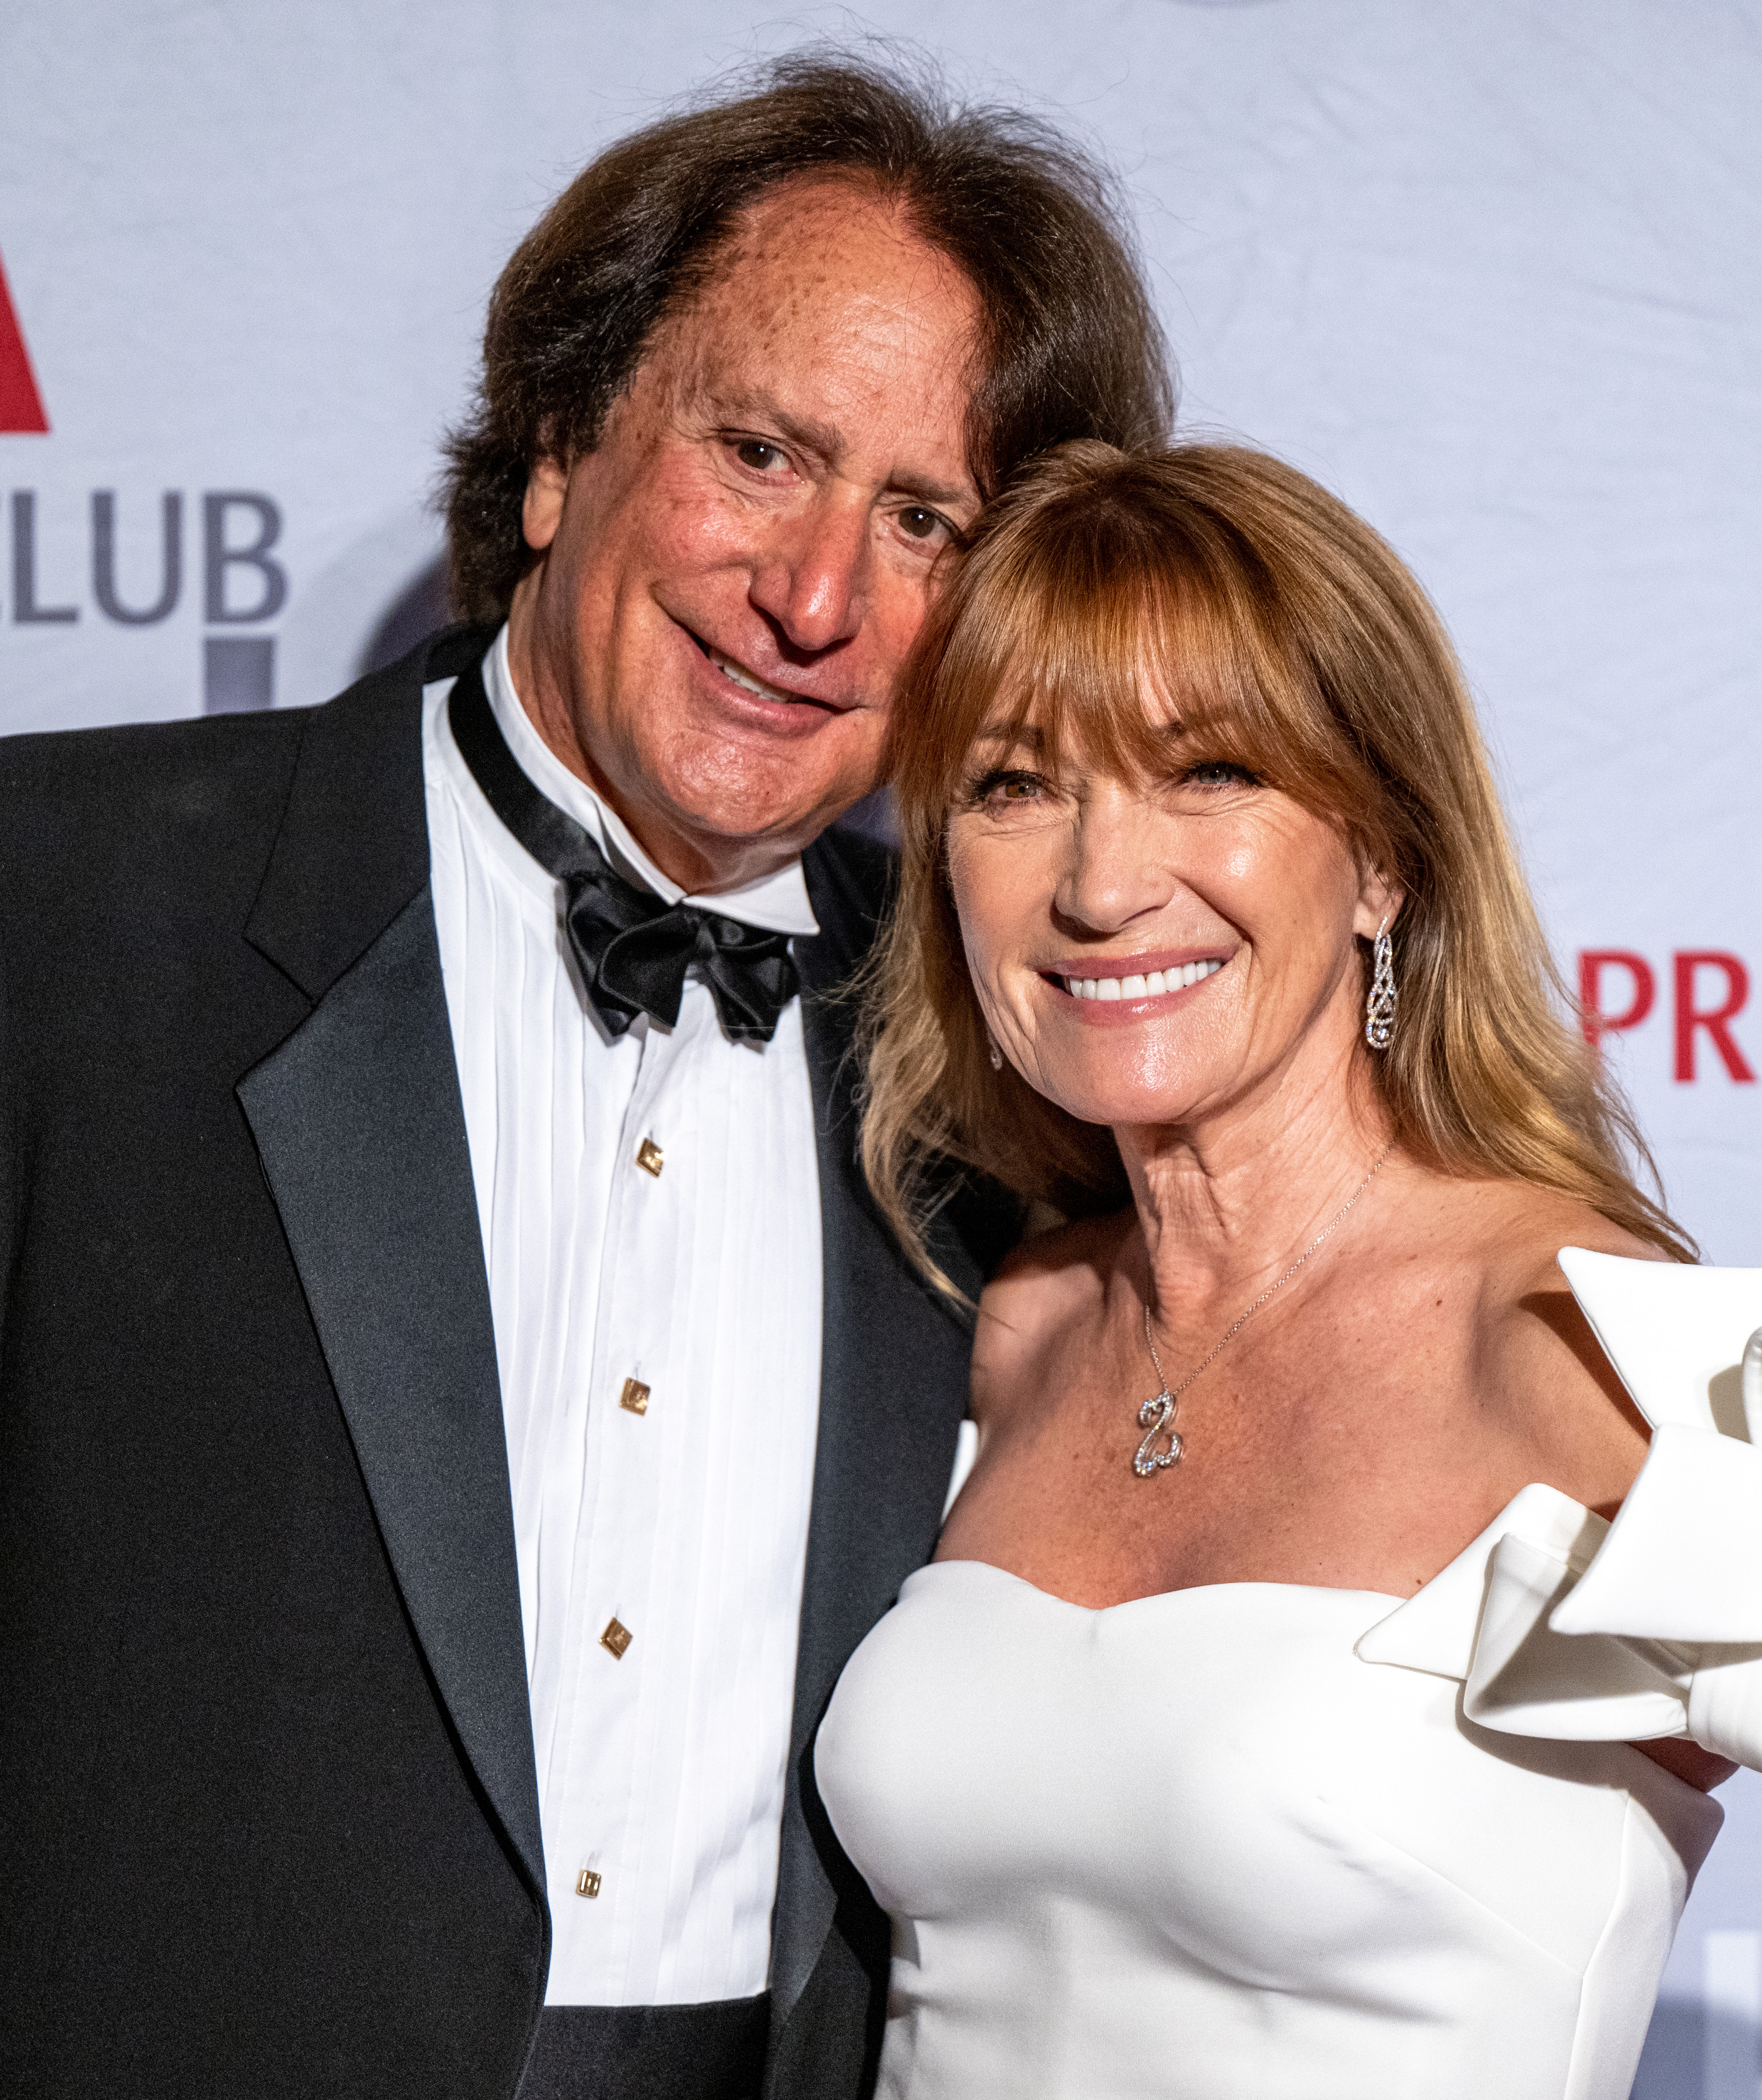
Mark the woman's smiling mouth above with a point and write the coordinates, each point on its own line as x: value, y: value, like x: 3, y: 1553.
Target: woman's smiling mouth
x: 1129, y: 983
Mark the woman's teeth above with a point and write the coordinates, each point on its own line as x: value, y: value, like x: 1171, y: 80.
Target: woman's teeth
x: 1150, y: 986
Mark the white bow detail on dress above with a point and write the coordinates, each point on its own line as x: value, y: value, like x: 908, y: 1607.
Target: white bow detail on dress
x: 1560, y: 1626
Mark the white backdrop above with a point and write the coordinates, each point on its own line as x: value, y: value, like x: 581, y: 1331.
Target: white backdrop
x: 1493, y: 271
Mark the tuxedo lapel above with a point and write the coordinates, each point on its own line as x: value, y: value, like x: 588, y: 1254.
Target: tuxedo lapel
x: 893, y: 1390
x: 360, y: 1125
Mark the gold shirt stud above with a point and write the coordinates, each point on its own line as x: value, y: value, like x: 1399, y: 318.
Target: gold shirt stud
x: 587, y: 1882
x: 634, y: 1399
x: 617, y: 1637
x: 649, y: 1157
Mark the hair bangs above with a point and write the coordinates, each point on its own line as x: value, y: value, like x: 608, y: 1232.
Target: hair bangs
x: 1099, y: 636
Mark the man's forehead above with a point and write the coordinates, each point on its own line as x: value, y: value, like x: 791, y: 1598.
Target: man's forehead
x: 798, y: 248
x: 812, y: 344
x: 807, y: 213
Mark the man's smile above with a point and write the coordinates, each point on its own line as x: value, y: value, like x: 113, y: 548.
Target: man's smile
x: 749, y: 682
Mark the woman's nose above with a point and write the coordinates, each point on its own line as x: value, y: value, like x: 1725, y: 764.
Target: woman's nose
x: 1119, y: 867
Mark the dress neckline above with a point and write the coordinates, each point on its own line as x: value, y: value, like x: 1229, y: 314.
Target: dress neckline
x: 1155, y: 1596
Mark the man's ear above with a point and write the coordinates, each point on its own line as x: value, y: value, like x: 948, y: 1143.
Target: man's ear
x: 542, y: 511
x: 1379, y: 899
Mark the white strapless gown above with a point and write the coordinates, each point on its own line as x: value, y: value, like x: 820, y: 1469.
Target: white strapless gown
x: 1253, y: 1839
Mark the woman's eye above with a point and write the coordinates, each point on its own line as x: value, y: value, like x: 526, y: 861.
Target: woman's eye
x: 762, y: 458
x: 1006, y: 790
x: 1218, y: 773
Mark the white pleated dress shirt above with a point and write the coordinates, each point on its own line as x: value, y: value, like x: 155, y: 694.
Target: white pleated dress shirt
x: 680, y: 1512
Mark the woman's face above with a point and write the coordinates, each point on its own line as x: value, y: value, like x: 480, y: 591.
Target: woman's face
x: 1151, y: 950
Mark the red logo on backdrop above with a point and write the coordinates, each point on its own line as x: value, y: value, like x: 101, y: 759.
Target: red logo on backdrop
x: 21, y: 406
x: 1709, y: 989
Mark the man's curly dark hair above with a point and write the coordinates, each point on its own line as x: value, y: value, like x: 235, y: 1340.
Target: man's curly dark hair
x: 1071, y: 346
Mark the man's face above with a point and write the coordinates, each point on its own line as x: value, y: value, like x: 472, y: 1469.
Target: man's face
x: 731, y: 579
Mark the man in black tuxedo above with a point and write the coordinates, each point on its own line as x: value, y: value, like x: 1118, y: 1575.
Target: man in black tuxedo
x: 415, y: 1110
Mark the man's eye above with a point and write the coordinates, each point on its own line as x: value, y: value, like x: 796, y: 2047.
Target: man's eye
x: 919, y: 524
x: 762, y: 458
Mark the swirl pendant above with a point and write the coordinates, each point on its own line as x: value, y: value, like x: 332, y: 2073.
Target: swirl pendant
x: 1154, y: 1416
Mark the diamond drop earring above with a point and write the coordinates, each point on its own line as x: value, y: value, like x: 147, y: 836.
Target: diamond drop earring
x: 996, y: 1055
x: 1380, y: 1005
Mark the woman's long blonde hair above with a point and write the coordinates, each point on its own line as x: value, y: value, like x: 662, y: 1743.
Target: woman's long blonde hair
x: 1270, y: 615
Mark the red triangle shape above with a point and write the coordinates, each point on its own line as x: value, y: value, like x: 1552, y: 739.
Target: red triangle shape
x: 21, y: 406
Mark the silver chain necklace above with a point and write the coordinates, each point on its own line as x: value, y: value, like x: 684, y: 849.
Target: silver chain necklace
x: 1157, y: 1413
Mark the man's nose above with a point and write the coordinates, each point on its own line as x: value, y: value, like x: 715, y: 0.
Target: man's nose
x: 1118, y: 868
x: 813, y: 576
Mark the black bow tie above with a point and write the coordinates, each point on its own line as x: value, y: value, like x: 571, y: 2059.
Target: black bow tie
x: 633, y: 950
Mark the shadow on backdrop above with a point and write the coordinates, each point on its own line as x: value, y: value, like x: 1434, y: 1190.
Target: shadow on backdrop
x: 418, y: 609
x: 1693, y: 2054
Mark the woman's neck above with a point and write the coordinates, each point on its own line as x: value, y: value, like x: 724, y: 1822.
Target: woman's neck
x: 1228, y: 1201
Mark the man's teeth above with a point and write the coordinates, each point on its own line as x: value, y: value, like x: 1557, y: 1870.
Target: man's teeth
x: 745, y: 678
x: 1150, y: 986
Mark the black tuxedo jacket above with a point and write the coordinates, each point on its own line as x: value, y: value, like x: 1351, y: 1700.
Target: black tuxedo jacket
x: 269, y: 1820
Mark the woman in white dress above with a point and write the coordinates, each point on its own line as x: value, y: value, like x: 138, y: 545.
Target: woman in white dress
x: 1281, y: 1714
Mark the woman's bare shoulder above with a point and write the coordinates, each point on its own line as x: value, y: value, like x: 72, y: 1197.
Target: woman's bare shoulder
x: 1539, y: 1369
x: 1046, y: 1285
x: 1517, y: 1232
